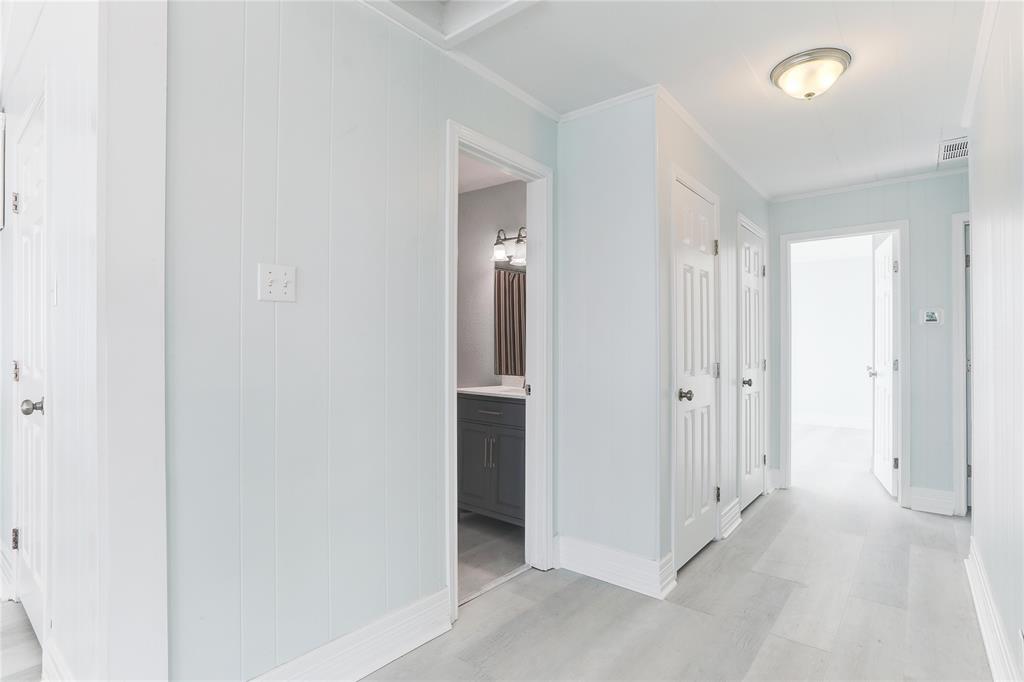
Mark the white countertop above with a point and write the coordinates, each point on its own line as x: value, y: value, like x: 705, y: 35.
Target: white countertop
x: 500, y: 391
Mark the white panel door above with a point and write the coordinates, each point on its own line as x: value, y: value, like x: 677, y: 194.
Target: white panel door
x: 881, y: 370
x: 695, y: 447
x: 30, y: 352
x: 753, y: 354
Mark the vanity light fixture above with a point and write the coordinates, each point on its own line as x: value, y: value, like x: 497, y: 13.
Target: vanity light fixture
x: 514, y: 253
x: 808, y: 74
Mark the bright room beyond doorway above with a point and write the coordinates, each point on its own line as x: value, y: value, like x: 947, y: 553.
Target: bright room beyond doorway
x: 831, y: 284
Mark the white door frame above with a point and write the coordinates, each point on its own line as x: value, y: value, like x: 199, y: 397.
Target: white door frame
x: 745, y: 222
x: 901, y: 228
x: 539, y: 509
x: 723, y: 526
x: 958, y: 382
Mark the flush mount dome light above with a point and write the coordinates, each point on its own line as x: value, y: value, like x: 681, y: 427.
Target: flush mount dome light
x: 808, y: 74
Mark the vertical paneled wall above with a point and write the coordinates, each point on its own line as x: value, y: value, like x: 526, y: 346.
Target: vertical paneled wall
x: 305, y: 453
x: 997, y: 252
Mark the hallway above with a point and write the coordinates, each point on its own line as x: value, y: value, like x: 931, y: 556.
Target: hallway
x: 828, y: 580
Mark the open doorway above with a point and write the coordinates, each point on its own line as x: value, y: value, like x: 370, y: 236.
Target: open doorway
x: 498, y: 364
x: 843, y: 332
x: 492, y: 276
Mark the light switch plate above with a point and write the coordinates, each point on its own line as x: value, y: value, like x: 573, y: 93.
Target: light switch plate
x: 276, y: 282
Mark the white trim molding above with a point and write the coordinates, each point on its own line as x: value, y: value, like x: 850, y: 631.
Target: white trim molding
x: 1001, y: 658
x: 932, y: 501
x: 988, y: 22
x: 55, y: 666
x: 958, y: 381
x: 654, y: 578
x: 914, y: 177
x: 900, y: 228
x: 539, y: 522
x: 370, y: 648
x: 730, y: 519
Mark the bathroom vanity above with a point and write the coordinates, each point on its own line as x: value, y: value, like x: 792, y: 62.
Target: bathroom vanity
x: 492, y: 451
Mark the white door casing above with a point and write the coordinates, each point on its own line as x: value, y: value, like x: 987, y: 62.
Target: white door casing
x: 753, y: 353
x: 882, y: 368
x: 694, y: 350
x: 31, y: 432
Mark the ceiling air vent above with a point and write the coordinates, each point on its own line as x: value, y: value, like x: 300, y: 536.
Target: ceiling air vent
x: 952, y: 150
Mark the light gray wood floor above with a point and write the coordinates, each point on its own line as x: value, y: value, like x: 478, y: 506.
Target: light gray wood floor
x: 488, y: 550
x: 20, y: 655
x: 830, y: 579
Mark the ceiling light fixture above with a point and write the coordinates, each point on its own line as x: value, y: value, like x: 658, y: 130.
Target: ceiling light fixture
x: 808, y: 74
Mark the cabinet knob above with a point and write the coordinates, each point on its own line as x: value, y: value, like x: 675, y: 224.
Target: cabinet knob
x: 685, y: 395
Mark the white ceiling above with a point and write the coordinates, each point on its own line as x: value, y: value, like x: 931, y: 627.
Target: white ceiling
x: 903, y: 94
x: 475, y: 174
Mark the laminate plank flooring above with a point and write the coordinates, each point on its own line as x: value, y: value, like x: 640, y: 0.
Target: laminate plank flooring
x: 830, y: 579
x: 21, y: 658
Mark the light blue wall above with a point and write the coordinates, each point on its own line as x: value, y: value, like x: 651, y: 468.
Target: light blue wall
x: 305, y: 440
x: 607, y: 370
x: 928, y: 205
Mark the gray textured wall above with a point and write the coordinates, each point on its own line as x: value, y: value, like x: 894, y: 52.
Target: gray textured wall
x: 481, y: 213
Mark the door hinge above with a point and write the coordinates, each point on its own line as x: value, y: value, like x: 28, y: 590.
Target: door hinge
x: 895, y: 266
x: 764, y: 365
x: 968, y: 365
x: 528, y: 389
x: 718, y: 494
x: 764, y: 271
x: 716, y: 370
x: 714, y: 248
x: 15, y: 533
x: 15, y: 371
x: 896, y: 365
x: 967, y: 261
x: 968, y: 471
x: 895, y: 462
x: 764, y: 459
x: 15, y: 203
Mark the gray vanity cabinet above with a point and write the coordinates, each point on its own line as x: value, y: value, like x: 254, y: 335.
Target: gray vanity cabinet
x: 492, y: 457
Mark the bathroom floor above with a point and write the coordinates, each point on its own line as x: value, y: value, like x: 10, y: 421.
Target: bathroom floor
x: 488, y: 550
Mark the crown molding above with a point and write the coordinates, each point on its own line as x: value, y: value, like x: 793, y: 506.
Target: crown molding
x: 988, y: 23
x: 868, y: 185
x: 666, y: 97
x: 438, y: 41
x: 696, y: 127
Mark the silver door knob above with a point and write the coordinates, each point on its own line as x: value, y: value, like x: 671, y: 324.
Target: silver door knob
x: 871, y: 372
x: 685, y: 395
x: 28, y: 407
x: 748, y: 382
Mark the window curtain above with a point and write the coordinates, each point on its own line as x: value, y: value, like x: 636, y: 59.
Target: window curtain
x: 509, y: 322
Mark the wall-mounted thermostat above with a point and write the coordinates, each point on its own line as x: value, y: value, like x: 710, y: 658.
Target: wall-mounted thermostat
x: 932, y: 316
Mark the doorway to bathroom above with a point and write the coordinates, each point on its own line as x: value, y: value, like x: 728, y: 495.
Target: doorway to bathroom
x: 497, y: 403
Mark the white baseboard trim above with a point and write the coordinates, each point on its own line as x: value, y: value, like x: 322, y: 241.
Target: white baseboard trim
x: 930, y: 500
x: 666, y: 575
x: 6, y: 576
x: 1000, y: 652
x: 631, y: 571
x: 370, y: 648
x: 730, y: 520
x: 54, y: 665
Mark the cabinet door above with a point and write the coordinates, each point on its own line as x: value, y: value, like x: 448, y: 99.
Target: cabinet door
x: 475, y: 484
x: 509, y: 461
